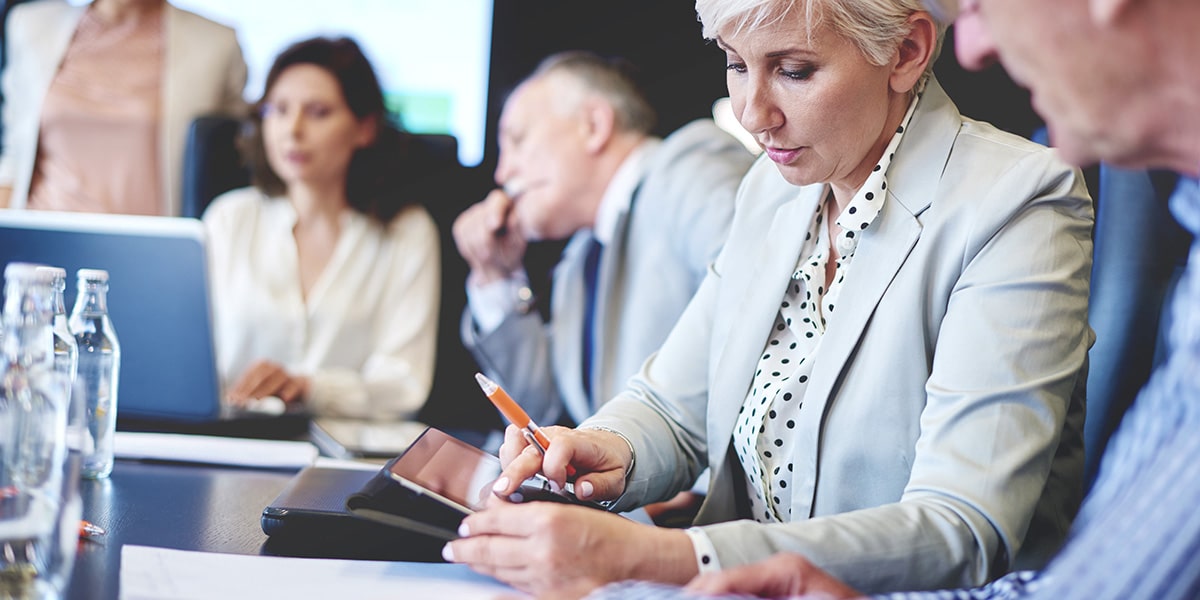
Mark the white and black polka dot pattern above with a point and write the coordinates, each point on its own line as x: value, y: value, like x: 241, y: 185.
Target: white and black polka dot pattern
x: 763, y: 437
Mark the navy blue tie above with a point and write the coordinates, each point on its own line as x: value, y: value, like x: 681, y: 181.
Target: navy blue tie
x: 591, y: 269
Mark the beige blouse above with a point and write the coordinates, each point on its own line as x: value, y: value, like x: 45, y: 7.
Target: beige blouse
x: 98, y: 147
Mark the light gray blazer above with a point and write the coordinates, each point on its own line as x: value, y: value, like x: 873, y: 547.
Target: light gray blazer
x: 955, y: 363
x: 204, y: 73
x: 676, y: 224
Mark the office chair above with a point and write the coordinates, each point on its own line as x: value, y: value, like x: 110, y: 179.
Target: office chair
x: 1139, y: 254
x: 213, y: 164
x: 1140, y: 251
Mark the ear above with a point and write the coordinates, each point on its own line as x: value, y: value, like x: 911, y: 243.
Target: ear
x: 599, y: 124
x: 1105, y: 12
x: 914, y: 53
x: 368, y: 128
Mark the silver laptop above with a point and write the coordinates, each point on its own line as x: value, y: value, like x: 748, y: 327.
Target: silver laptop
x: 158, y: 300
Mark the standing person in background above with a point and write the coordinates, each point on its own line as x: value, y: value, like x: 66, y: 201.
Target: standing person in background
x: 884, y: 368
x: 645, y: 217
x: 325, y: 281
x: 98, y: 100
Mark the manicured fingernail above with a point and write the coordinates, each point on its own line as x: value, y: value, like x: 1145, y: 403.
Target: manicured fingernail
x: 463, y: 530
x: 448, y: 553
x: 586, y: 489
x: 516, y: 498
x: 500, y: 486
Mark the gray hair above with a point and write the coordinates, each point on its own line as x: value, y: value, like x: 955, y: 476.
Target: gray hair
x: 875, y: 26
x: 608, y: 78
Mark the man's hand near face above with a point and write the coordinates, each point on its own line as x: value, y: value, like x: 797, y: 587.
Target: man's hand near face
x: 489, y: 240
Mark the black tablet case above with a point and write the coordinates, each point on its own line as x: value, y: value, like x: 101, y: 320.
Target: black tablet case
x: 309, y: 518
x: 383, y: 499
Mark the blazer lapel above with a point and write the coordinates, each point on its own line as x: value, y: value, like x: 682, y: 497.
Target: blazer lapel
x: 749, y: 322
x: 609, y: 288
x: 566, y: 324
x: 172, y: 116
x: 882, y: 251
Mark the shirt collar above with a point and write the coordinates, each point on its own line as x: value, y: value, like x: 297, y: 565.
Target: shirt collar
x: 1185, y: 204
x: 282, y: 214
x: 868, y: 200
x: 618, y: 196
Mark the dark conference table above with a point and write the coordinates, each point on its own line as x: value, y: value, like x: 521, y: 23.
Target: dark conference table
x: 180, y: 506
x: 187, y: 507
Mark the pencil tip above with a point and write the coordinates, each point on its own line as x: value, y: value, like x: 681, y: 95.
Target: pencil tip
x: 486, y: 384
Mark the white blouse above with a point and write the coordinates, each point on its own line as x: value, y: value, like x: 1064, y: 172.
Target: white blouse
x: 367, y: 334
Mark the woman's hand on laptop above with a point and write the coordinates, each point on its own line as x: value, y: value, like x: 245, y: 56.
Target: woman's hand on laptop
x: 265, y: 379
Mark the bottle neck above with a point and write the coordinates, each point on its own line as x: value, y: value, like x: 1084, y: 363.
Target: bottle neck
x: 60, y: 305
x: 91, y: 301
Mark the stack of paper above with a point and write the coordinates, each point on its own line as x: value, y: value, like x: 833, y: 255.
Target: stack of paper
x: 161, y: 574
x: 241, y: 452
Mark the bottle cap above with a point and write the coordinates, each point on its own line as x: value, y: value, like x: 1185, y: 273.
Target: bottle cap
x: 99, y: 275
x: 58, y: 274
x: 31, y: 272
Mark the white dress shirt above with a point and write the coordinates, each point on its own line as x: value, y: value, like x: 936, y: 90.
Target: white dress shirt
x: 366, y: 334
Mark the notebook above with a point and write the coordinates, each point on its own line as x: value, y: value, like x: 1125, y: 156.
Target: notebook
x: 158, y: 300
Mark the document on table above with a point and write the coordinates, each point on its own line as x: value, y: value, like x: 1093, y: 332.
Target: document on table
x: 161, y: 574
x: 214, y: 450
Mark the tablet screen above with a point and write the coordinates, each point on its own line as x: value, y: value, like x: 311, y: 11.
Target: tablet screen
x: 448, y: 467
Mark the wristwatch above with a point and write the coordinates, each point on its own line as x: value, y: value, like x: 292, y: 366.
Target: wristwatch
x: 525, y: 299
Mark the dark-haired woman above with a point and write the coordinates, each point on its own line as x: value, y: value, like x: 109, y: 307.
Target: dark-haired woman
x: 325, y: 280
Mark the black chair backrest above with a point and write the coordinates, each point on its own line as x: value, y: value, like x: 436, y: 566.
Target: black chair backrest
x: 1139, y: 254
x: 212, y: 164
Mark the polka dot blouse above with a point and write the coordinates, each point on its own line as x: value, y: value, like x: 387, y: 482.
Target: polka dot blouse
x: 763, y: 437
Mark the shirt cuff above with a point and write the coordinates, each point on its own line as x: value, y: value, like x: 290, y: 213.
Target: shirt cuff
x: 706, y: 553
x: 493, y: 302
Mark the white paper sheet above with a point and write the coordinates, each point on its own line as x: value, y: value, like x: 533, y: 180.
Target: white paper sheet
x: 242, y: 452
x: 162, y: 574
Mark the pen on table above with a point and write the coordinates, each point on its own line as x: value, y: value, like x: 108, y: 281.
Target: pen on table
x: 516, y: 415
x: 88, y: 529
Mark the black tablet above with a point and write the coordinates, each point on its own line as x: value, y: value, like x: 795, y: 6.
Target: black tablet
x: 437, y: 482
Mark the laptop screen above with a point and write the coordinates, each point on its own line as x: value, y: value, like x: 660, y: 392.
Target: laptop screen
x: 158, y: 300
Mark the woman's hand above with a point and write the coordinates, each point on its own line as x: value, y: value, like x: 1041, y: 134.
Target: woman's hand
x: 781, y: 576
x: 264, y: 379
x: 600, y: 459
x: 559, y: 550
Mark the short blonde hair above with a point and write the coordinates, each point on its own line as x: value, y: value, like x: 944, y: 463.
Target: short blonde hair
x: 875, y: 26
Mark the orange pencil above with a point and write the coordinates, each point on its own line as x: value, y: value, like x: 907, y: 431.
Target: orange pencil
x: 513, y: 412
x: 89, y: 530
